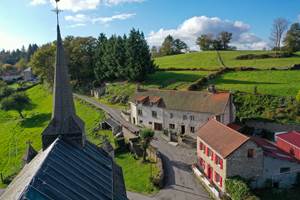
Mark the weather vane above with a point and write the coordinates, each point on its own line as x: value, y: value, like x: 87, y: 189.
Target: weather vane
x: 57, y: 11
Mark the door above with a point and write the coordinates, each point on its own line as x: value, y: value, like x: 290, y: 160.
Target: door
x: 157, y: 126
x: 182, y: 129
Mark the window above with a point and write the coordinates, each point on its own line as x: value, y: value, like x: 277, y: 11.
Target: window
x: 218, y: 161
x: 172, y: 126
x: 184, y: 117
x: 140, y: 112
x: 201, y: 146
x: 141, y: 121
x: 192, y: 129
x: 285, y: 169
x: 150, y: 123
x: 154, y: 114
x: 218, y: 179
x: 204, y: 148
x: 250, y: 153
x: 171, y: 115
x: 218, y: 118
x: 192, y: 118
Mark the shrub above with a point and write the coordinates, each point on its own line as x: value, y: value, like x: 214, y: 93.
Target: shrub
x: 237, y: 188
x: 298, y: 97
x: 263, y: 56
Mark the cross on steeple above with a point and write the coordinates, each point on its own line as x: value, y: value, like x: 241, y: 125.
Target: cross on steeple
x: 57, y: 11
x: 64, y: 123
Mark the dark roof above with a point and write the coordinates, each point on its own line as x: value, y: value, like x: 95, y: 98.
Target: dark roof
x: 272, y: 150
x: 112, y: 123
x: 292, y: 137
x: 68, y: 172
x: 194, y: 101
x: 221, y: 138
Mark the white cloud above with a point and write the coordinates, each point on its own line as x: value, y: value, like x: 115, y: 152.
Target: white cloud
x: 117, y: 2
x: 122, y: 16
x: 82, y: 20
x: 192, y: 28
x: 38, y: 2
x: 79, y: 5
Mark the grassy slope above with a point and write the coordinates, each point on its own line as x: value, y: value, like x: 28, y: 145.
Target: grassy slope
x: 14, y: 133
x: 280, y: 83
x: 136, y: 173
x: 173, y: 79
x: 208, y: 60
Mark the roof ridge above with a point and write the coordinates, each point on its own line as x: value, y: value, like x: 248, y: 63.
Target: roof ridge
x: 191, y: 91
x: 231, y: 129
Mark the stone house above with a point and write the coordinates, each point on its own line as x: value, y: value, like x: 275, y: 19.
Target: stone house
x: 182, y: 112
x: 27, y: 74
x: 223, y: 152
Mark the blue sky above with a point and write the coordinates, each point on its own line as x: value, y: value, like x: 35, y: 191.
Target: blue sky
x: 30, y: 21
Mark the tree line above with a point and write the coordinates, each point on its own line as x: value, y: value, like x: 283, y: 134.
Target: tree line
x: 103, y: 59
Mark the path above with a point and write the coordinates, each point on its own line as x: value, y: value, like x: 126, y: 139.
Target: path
x: 180, y: 184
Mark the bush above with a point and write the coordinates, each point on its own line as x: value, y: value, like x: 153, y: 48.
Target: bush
x: 264, y: 56
x: 298, y: 97
x: 237, y: 188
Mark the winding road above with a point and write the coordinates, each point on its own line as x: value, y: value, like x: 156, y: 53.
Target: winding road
x: 180, y: 183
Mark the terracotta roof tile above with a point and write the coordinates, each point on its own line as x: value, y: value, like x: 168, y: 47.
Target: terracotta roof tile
x: 221, y: 138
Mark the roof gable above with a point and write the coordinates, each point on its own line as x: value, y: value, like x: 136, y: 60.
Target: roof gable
x: 292, y: 137
x: 221, y: 138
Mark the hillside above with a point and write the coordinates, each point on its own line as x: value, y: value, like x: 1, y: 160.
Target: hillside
x: 209, y: 60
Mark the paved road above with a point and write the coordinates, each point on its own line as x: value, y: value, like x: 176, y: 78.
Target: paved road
x: 114, y: 113
x: 180, y: 184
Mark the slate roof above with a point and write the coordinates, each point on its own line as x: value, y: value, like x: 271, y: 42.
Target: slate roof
x: 221, y: 138
x: 194, y: 101
x: 292, y: 137
x: 68, y: 172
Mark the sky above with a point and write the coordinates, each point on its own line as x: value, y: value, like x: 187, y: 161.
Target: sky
x: 31, y: 21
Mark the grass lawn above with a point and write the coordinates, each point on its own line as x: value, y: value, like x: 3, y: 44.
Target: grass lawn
x: 137, y: 174
x: 279, y: 83
x: 209, y: 60
x: 15, y: 132
x: 173, y: 79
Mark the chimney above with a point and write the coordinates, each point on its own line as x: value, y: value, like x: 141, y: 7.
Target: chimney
x: 212, y: 89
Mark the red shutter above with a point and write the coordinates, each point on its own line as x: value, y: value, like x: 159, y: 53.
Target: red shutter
x: 221, y: 181
x: 221, y: 163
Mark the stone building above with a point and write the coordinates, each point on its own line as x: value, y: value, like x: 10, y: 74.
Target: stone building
x: 223, y: 152
x: 68, y: 166
x: 182, y: 112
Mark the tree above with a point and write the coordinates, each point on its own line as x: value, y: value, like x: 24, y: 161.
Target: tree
x: 224, y: 38
x: 17, y: 102
x: 146, y: 136
x: 172, y: 47
x: 21, y: 64
x: 279, y: 27
x: 292, y: 38
x: 42, y: 62
x: 154, y: 52
x: 99, y: 54
x: 205, y: 42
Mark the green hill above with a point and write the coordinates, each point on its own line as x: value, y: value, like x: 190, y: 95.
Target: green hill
x: 209, y: 60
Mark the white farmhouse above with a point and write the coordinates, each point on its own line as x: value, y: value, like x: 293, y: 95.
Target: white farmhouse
x: 180, y: 112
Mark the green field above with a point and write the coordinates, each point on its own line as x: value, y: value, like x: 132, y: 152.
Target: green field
x: 209, y: 60
x: 279, y: 83
x: 137, y: 174
x: 173, y: 79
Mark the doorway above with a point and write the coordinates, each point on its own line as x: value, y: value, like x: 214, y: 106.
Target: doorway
x: 182, y: 130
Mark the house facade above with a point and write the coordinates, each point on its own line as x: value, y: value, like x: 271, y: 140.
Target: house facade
x: 223, y: 152
x: 180, y: 111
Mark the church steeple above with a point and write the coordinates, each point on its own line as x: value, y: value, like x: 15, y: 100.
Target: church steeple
x: 64, y: 122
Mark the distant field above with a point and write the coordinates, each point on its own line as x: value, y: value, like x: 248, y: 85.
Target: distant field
x: 280, y: 83
x: 173, y: 79
x: 209, y: 60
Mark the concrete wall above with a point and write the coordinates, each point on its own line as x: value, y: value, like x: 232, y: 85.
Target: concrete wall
x: 272, y: 172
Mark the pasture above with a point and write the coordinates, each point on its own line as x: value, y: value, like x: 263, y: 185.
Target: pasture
x: 209, y: 60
